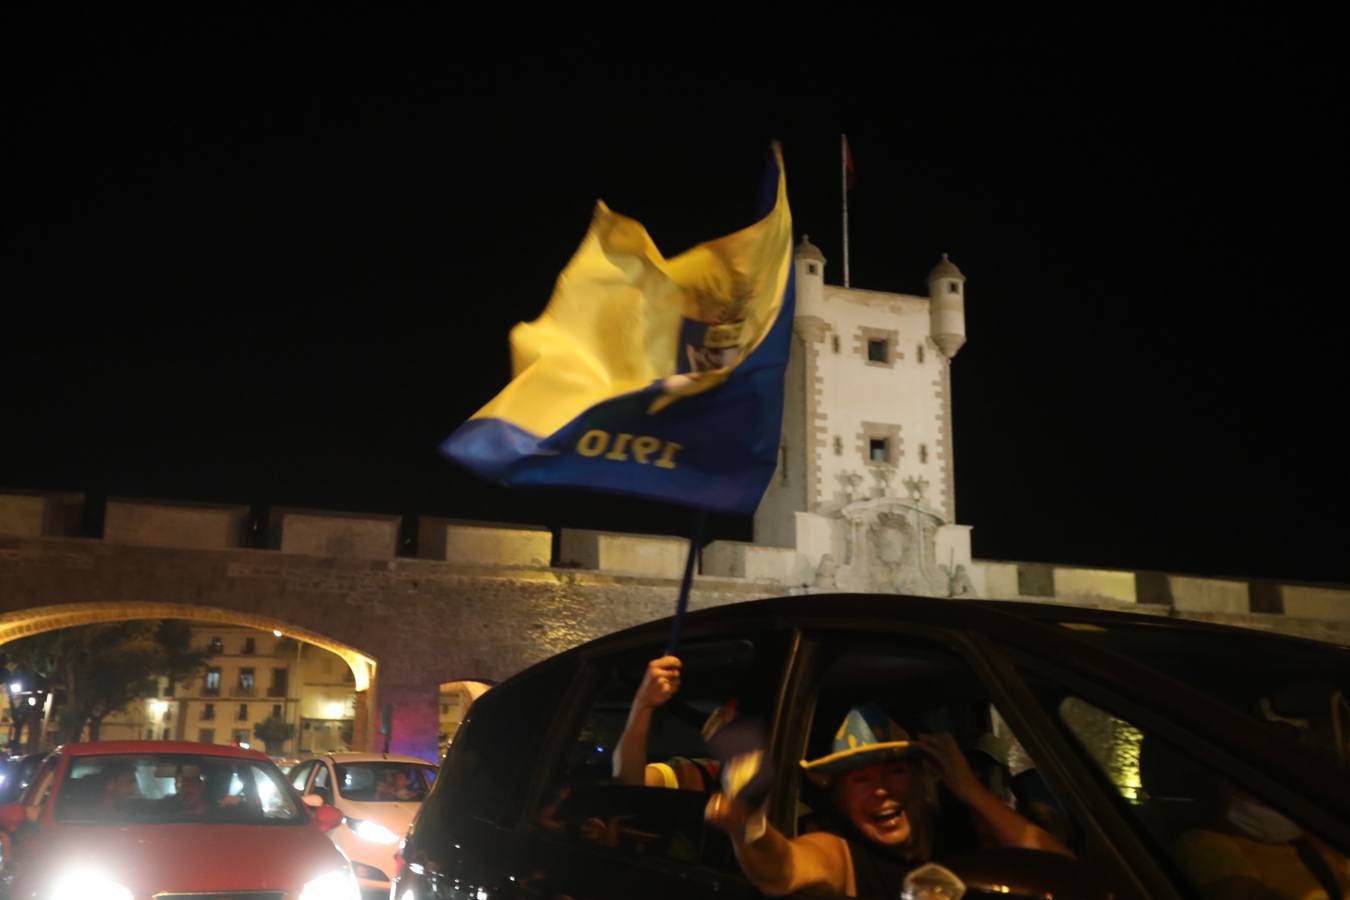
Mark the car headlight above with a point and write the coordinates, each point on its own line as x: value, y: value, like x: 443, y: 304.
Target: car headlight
x: 332, y: 886
x: 87, y: 884
x: 374, y: 832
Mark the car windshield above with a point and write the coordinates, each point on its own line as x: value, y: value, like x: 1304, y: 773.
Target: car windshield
x: 1295, y: 687
x: 376, y: 782
x: 174, y: 787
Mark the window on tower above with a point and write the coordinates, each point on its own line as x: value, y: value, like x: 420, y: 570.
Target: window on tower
x: 812, y: 268
x: 953, y: 287
x: 920, y: 353
x: 834, y: 342
x: 923, y: 453
x: 877, y: 351
x: 879, y: 444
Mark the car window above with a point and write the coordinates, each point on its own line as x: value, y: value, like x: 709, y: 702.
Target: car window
x: 174, y: 787
x: 384, y: 781
x: 660, y: 812
x: 1223, y: 838
x: 923, y: 688
x: 490, y: 767
x: 17, y: 775
x: 300, y: 774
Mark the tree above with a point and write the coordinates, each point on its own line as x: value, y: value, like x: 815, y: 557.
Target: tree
x: 274, y: 733
x: 181, y: 661
x: 117, y: 664
x: 98, y: 669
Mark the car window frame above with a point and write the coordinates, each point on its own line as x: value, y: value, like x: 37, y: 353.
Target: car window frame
x: 321, y: 765
x: 40, y: 794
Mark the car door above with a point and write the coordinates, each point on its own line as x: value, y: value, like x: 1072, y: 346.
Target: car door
x: 1222, y: 801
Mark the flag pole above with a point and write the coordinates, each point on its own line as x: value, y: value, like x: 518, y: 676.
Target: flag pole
x: 843, y: 190
x: 682, y: 604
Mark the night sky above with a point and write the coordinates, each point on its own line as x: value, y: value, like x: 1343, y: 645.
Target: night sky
x: 275, y: 261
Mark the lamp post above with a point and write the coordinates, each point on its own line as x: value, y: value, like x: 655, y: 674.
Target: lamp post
x: 29, y: 704
x: 14, y: 688
x: 296, y: 686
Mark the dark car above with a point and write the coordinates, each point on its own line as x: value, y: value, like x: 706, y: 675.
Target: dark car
x: 1156, y: 749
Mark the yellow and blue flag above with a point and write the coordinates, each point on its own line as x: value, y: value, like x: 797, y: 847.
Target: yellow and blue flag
x: 646, y: 376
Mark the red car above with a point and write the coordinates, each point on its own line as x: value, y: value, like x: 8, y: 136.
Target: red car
x: 134, y: 820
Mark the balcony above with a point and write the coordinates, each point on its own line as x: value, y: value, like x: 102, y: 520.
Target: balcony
x: 241, y: 691
x: 211, y: 691
x: 277, y: 690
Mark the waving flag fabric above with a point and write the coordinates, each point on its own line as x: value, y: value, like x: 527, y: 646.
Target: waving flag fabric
x: 646, y: 376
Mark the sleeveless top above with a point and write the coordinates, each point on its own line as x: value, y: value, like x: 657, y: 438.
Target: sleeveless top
x: 877, y: 873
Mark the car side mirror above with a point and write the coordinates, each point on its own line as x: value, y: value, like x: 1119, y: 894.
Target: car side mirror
x: 313, y: 801
x: 12, y: 815
x: 327, y: 817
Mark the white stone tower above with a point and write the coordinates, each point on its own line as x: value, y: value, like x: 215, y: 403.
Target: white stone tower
x: 864, y: 496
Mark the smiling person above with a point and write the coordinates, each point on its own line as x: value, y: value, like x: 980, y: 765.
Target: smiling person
x: 882, y: 785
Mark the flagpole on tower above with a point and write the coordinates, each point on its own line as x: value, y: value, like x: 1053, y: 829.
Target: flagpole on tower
x: 843, y: 190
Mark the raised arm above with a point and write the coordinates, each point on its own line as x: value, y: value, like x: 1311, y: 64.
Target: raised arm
x: 1007, y: 827
x: 775, y: 865
x: 660, y: 682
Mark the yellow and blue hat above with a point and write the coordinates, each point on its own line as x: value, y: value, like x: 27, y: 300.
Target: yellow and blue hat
x: 866, y: 736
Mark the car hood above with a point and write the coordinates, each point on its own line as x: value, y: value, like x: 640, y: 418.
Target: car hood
x: 149, y: 859
x: 395, y: 816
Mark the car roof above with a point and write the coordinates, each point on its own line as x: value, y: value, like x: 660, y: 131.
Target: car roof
x: 992, y: 617
x: 346, y: 756
x: 100, y: 748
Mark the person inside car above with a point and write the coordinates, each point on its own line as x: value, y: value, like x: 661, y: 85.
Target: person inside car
x: 119, y: 790
x: 660, y: 683
x: 882, y: 787
x: 1248, y: 851
x: 189, y: 798
x: 397, y: 785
